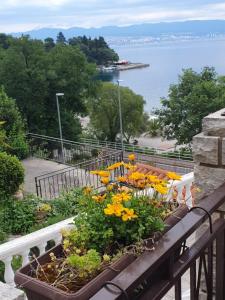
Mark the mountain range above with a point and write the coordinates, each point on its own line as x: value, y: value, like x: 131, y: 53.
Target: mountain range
x: 193, y: 28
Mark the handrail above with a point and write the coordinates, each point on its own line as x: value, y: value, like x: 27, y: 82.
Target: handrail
x: 148, y: 262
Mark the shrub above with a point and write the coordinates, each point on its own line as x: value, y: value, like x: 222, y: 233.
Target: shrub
x: 18, y: 216
x: 11, y: 174
x: 66, y: 204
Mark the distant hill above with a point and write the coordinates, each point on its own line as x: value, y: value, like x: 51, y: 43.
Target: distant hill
x: 200, y: 28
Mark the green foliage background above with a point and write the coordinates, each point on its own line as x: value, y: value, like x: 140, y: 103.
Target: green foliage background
x: 195, y: 96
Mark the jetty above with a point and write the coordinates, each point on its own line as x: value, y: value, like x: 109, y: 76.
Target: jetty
x: 130, y: 66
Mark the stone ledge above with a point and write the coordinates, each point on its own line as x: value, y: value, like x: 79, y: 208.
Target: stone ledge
x: 208, y: 180
x: 214, y: 124
x: 205, y: 149
x: 8, y: 292
x: 223, y: 151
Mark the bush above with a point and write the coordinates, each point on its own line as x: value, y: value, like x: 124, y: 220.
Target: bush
x: 11, y: 174
x: 18, y: 216
x: 66, y: 204
x: 3, y: 236
x: 19, y: 146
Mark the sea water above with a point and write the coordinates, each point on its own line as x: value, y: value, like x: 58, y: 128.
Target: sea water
x: 166, y: 59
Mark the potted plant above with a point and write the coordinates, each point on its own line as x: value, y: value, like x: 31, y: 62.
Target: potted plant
x: 112, y: 228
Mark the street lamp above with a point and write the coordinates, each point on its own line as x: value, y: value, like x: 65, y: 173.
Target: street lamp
x: 120, y: 114
x: 59, y: 119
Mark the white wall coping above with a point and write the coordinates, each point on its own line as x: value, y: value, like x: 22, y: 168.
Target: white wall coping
x: 18, y: 245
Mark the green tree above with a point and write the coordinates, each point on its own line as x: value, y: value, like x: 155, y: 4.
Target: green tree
x: 49, y: 43
x: 12, y: 127
x: 104, y: 113
x: 96, y: 50
x: 33, y: 76
x: 195, y: 96
x: 60, y: 38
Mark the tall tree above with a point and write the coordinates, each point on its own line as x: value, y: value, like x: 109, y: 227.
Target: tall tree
x: 49, y: 44
x: 12, y: 129
x: 33, y: 76
x: 104, y: 112
x: 195, y: 96
x: 60, y: 38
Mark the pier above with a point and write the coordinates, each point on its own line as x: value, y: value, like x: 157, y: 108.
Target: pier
x: 132, y: 66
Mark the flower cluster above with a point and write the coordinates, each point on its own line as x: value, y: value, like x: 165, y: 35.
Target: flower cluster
x: 118, y: 214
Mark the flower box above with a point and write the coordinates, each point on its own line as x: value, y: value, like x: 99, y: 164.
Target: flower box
x: 38, y: 290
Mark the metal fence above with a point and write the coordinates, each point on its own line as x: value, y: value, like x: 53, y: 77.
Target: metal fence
x: 178, y: 154
x: 154, y: 273
x: 49, y: 148
x: 50, y: 185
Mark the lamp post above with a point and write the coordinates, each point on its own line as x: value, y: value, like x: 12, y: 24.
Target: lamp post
x: 120, y: 114
x: 59, y: 120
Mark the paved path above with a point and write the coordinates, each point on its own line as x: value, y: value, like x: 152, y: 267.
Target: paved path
x: 35, y: 167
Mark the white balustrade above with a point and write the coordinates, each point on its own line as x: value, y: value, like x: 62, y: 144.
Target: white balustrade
x: 22, y: 245
x: 182, y: 188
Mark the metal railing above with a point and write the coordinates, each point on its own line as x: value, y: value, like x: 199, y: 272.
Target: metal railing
x: 50, y: 148
x: 178, y: 154
x: 154, y: 273
x: 47, y: 147
x: 50, y: 185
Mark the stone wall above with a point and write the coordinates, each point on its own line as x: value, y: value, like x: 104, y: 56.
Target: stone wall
x: 209, y: 154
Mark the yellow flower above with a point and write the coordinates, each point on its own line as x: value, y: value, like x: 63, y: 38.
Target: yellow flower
x: 173, y: 176
x: 110, y: 187
x: 87, y: 190
x: 115, y: 166
x: 129, y: 214
x: 101, y: 173
x: 129, y: 167
x: 45, y: 207
x: 131, y: 157
x: 121, y: 179
x: 141, y: 184
x: 153, y: 179
x: 105, y: 180
x: 99, y: 198
x: 137, y: 176
x: 160, y: 189
x: 121, y: 197
x: 114, y: 209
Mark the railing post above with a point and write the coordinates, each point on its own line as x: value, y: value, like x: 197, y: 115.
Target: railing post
x: 220, y: 272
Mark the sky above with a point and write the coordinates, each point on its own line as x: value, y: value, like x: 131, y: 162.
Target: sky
x: 24, y: 15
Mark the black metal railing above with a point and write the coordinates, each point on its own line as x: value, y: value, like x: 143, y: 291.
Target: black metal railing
x: 50, y: 185
x: 154, y: 273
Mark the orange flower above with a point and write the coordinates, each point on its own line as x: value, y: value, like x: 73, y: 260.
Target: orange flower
x: 110, y: 187
x: 99, y: 198
x: 115, y: 166
x: 114, y: 209
x: 136, y: 176
x: 121, y: 179
x: 101, y: 173
x: 87, y: 190
x: 129, y: 214
x: 121, y: 197
x: 173, y: 176
x: 105, y: 180
x: 131, y: 157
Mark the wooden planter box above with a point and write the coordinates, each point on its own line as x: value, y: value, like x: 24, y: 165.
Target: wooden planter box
x: 38, y: 290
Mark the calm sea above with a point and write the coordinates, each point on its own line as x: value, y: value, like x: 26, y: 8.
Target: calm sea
x: 166, y: 59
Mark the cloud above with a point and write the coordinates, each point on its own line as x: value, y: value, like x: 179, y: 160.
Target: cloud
x: 22, y: 15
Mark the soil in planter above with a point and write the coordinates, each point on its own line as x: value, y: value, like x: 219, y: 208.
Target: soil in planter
x: 68, y: 278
